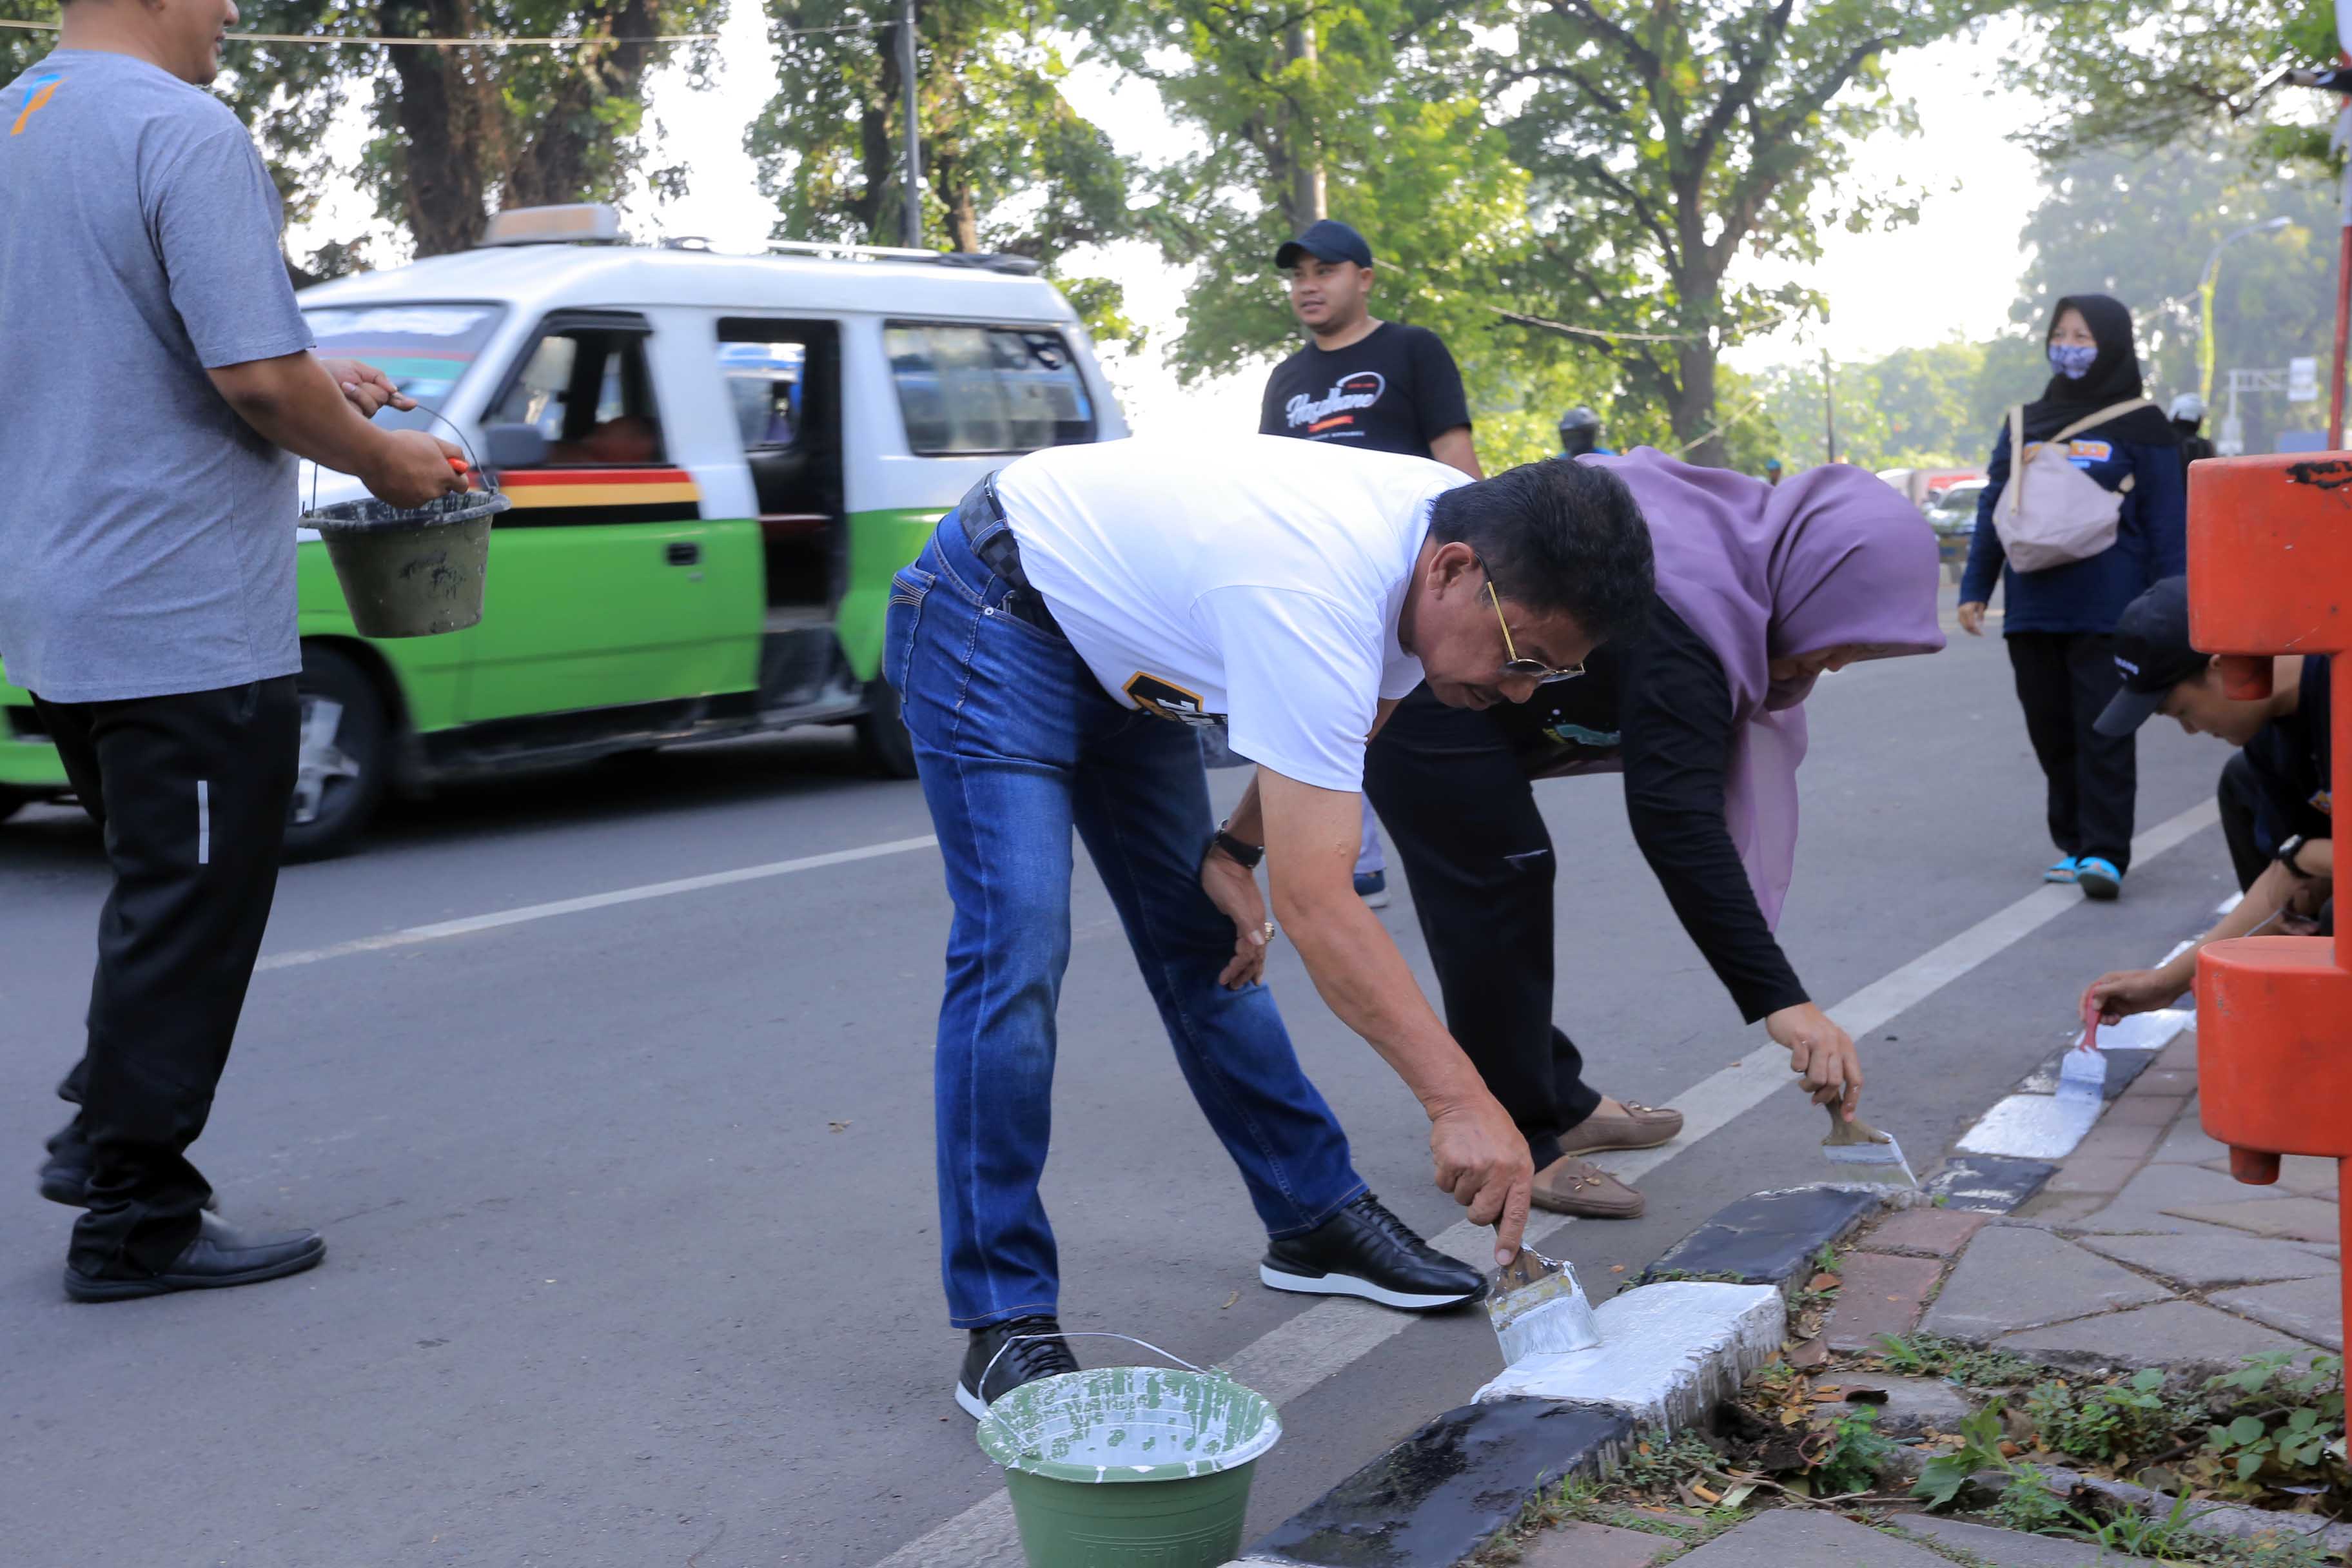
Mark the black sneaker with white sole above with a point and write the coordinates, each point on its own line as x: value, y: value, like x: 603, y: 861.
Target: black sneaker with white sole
x: 1032, y: 1347
x: 1364, y: 1250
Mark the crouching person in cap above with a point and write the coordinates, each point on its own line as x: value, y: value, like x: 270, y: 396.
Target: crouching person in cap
x: 2275, y: 793
x: 1055, y: 647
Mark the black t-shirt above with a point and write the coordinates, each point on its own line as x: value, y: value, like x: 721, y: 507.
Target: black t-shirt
x: 1396, y: 391
x: 1659, y: 703
x: 2291, y: 762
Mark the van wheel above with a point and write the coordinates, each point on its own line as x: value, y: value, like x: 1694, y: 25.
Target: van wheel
x: 346, y: 753
x: 882, y: 735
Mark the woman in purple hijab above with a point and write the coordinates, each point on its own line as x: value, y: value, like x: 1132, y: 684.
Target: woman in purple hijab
x: 1760, y: 590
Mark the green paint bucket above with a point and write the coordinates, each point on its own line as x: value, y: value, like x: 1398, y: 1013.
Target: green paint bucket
x: 1130, y: 1466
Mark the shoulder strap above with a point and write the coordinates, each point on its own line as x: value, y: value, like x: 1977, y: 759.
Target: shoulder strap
x: 2114, y: 411
x: 2013, y: 496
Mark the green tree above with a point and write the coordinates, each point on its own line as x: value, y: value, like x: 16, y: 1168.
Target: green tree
x: 1665, y: 141
x: 458, y: 132
x: 1366, y: 112
x: 2138, y: 74
x: 1008, y: 165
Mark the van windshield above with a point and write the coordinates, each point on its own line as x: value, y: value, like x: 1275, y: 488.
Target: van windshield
x: 425, y: 349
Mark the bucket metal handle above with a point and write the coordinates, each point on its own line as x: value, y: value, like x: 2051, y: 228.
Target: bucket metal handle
x: 489, y: 480
x: 1083, y: 1334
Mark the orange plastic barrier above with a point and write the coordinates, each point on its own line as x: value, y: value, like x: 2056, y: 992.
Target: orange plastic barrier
x: 2270, y: 572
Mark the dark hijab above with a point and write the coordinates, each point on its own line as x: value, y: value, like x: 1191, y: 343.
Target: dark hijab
x: 2113, y: 378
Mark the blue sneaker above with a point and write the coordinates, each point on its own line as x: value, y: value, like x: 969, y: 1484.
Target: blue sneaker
x: 1373, y: 887
x: 2098, y: 879
x: 2061, y: 870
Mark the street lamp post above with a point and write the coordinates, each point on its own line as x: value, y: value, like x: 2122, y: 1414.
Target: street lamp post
x: 2206, y: 283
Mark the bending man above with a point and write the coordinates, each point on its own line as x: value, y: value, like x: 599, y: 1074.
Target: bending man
x: 1065, y: 626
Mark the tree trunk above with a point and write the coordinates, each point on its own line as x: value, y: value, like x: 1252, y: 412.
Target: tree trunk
x: 561, y: 162
x: 1693, y: 410
x: 443, y: 126
x: 955, y: 194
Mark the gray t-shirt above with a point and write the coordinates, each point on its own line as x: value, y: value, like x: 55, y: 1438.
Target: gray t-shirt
x: 146, y: 532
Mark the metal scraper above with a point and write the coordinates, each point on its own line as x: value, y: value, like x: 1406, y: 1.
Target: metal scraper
x: 1858, y: 1143
x: 1538, y: 1307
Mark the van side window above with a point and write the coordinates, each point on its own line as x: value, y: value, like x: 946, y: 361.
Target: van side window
x: 587, y: 390
x: 967, y: 389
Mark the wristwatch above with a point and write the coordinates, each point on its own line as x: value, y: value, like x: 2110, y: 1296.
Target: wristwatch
x: 2289, y: 851
x: 1245, y: 856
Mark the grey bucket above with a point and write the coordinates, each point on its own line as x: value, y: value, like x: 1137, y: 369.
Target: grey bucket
x: 411, y: 572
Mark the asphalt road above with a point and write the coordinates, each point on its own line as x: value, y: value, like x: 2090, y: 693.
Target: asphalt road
x: 630, y: 1208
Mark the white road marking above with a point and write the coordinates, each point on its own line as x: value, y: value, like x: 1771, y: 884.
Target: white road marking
x: 472, y: 923
x: 1288, y: 1360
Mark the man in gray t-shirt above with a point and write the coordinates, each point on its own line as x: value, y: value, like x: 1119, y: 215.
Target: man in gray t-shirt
x: 156, y: 384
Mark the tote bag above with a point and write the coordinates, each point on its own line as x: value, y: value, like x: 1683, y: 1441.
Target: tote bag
x: 2052, y: 512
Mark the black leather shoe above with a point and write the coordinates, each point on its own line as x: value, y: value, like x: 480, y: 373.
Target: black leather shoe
x: 1025, y: 1360
x: 1364, y: 1250
x: 221, y: 1255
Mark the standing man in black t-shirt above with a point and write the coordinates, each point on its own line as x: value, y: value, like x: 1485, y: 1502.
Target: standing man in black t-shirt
x: 1380, y: 386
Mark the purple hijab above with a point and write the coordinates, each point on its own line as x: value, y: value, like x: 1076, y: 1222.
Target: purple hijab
x: 1762, y: 571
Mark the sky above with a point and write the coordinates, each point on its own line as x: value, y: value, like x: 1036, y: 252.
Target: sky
x: 1953, y: 273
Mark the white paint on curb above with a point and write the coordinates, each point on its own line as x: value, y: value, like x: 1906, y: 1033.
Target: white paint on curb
x: 1668, y: 1353
x: 2034, y: 1126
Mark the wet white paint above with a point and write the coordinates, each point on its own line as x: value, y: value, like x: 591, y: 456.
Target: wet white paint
x: 1667, y: 1352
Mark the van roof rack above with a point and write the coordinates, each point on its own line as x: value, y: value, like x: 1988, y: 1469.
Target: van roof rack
x: 986, y: 261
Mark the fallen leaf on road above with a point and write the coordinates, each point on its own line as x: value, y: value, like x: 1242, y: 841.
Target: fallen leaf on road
x: 1231, y: 1299
x: 1810, y: 1354
x: 838, y: 1126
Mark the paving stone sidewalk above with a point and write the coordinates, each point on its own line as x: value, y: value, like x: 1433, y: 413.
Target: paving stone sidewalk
x: 1787, y: 1537
x: 2141, y: 1250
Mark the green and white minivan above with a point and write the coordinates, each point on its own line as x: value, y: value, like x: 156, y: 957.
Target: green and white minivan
x: 717, y: 463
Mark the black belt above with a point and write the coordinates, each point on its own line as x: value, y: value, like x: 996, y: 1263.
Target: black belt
x: 991, y: 538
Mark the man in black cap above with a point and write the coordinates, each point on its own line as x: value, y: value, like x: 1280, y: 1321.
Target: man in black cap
x: 1374, y: 385
x: 2275, y: 797
x: 1380, y: 386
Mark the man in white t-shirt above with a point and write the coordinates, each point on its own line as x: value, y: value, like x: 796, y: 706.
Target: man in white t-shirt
x: 1054, y: 646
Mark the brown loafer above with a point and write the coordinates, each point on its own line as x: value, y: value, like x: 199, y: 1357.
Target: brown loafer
x: 1641, y: 1127
x: 1580, y: 1187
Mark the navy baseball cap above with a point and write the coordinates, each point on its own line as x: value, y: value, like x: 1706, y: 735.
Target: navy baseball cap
x: 2153, y: 653
x: 1326, y: 239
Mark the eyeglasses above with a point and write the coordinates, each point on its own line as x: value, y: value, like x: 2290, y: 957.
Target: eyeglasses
x: 1536, y: 670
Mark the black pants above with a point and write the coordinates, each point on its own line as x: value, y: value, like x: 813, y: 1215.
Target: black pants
x: 192, y: 792
x: 2065, y: 680
x: 2250, y: 844
x: 1462, y: 815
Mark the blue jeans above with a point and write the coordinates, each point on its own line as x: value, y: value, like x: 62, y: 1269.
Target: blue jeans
x: 1017, y: 744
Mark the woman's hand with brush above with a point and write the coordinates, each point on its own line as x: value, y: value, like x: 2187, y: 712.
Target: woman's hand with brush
x: 1823, y: 1054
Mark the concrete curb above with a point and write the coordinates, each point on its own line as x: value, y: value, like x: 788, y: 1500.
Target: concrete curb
x: 1675, y: 1348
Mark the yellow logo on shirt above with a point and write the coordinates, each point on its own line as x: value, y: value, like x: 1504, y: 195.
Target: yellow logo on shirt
x: 1166, y: 699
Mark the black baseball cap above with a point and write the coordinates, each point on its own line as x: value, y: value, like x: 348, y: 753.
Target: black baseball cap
x: 1326, y: 239
x: 2153, y: 653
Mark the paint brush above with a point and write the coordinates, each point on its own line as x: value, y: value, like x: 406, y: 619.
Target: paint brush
x: 1858, y: 1142
x: 1538, y: 1307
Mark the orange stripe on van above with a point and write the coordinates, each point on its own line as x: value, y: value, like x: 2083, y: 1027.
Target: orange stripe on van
x: 600, y: 487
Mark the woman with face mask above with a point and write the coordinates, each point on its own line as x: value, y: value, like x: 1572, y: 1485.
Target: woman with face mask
x: 2058, y: 622
x: 1761, y: 591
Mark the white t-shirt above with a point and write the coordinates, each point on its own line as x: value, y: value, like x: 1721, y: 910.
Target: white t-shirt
x: 1254, y: 583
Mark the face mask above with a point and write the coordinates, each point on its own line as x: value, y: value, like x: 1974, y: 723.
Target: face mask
x: 2072, y: 361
